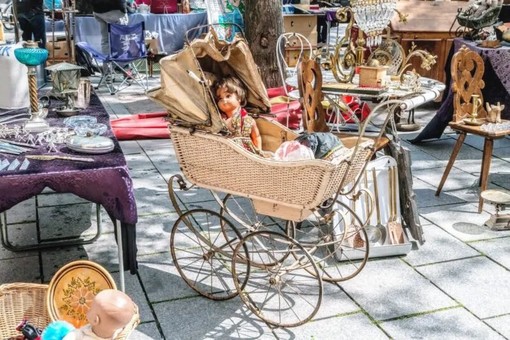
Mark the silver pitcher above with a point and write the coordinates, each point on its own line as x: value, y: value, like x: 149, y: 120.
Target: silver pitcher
x: 83, y: 95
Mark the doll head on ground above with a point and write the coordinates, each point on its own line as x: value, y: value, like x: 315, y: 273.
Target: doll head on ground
x: 110, y: 311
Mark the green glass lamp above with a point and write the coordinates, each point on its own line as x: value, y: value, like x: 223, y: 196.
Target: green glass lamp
x: 32, y: 56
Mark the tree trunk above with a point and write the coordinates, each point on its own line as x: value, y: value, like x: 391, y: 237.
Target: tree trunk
x: 263, y: 22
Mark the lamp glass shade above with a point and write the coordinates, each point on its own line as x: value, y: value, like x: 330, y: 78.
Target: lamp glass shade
x: 31, y: 56
x: 66, y: 81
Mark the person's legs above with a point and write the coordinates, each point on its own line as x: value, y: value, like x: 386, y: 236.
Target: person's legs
x: 38, y: 25
x: 24, y: 25
x: 103, y: 27
x: 111, y: 17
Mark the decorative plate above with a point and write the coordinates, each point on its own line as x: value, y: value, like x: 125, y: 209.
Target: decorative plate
x: 91, y: 145
x: 72, y: 289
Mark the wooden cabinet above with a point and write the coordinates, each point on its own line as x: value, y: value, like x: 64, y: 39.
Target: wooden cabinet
x: 429, y: 26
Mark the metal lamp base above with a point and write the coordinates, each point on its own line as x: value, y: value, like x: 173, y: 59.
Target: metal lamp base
x: 36, y: 124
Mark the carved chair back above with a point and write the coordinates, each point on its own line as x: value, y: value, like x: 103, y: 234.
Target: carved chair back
x: 310, y: 90
x: 467, y: 71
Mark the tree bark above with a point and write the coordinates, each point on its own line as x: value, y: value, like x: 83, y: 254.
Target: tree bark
x: 263, y: 22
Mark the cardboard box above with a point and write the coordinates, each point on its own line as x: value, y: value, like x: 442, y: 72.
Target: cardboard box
x: 57, y: 50
x: 372, y: 76
x: 300, y: 23
x: 304, y: 24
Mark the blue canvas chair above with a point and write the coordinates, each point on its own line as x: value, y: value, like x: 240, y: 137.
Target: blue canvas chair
x: 127, y: 47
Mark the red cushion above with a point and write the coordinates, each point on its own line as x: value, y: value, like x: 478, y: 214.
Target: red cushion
x: 164, y: 6
x: 141, y: 126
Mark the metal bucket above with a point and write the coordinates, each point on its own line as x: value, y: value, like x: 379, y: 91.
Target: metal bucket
x: 83, y: 95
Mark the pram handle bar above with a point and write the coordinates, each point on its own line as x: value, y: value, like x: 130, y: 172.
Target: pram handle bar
x: 211, y: 26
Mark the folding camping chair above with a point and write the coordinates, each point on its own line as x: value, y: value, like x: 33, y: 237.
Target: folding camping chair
x: 127, y: 46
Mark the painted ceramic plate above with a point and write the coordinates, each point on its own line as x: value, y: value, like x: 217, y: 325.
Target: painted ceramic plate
x: 72, y: 289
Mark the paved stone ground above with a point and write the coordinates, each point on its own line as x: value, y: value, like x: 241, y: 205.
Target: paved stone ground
x: 455, y: 286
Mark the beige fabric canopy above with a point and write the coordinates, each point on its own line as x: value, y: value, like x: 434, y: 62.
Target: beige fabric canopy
x: 186, y: 78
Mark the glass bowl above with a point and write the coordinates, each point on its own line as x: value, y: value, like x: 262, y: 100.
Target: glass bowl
x: 90, y: 129
x: 73, y: 121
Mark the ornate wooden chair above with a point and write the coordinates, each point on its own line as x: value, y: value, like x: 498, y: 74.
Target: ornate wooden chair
x: 467, y: 69
x: 314, y: 115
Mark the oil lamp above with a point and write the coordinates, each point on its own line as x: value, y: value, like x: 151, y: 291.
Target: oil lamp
x: 32, y: 56
x: 66, y: 80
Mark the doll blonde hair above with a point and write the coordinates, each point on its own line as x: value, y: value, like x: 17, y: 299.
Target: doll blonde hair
x: 233, y: 85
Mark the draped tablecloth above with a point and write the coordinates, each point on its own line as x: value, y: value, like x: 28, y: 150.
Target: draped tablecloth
x: 105, y: 181
x: 497, y: 86
x: 171, y: 28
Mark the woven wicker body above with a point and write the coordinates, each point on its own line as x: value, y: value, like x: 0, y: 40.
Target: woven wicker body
x: 286, y: 190
x: 20, y: 301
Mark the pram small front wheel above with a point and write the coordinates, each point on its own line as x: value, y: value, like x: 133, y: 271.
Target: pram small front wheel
x: 202, y: 252
x: 278, y: 289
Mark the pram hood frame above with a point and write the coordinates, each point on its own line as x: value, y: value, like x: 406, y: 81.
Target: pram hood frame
x: 186, y: 79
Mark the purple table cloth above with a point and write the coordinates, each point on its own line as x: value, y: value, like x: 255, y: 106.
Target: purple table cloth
x: 497, y: 86
x: 105, y: 181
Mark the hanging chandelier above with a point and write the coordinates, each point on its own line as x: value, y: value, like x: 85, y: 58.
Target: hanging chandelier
x: 372, y: 17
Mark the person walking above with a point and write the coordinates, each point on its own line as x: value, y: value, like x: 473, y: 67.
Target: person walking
x: 30, y: 16
x: 109, y: 12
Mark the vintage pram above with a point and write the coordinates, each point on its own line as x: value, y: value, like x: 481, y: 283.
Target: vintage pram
x: 279, y: 230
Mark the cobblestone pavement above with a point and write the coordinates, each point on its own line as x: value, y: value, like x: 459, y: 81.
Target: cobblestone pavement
x: 454, y: 286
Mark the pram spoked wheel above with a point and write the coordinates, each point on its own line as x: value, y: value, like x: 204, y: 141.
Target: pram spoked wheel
x: 279, y: 288
x: 201, y: 247
x: 336, y: 240
x: 241, y: 212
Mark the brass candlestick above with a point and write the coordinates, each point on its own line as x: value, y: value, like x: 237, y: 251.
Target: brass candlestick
x: 477, y: 102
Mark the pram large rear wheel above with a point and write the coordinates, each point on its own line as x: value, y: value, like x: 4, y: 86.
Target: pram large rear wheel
x: 279, y: 288
x: 335, y: 239
x: 203, y: 254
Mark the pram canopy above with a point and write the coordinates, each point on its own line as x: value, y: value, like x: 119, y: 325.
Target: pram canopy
x: 186, y: 79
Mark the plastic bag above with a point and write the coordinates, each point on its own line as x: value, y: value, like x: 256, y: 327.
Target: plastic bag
x: 293, y: 151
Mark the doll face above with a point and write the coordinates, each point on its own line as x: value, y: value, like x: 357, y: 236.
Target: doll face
x: 227, y: 102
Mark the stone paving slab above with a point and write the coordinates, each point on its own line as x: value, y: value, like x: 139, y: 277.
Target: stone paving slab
x: 497, y: 249
x: 201, y: 318
x: 22, y: 234
x: 500, y: 324
x: 161, y: 279
x: 426, y: 195
x: 455, y: 323
x: 389, y: 288
x: 351, y: 326
x: 146, y: 331
x: 478, y: 284
x: 27, y: 270
x: 451, y: 248
x: 462, y: 221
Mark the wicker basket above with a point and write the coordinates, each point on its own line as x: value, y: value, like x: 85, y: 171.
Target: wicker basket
x: 487, y: 19
x: 215, y: 162
x: 20, y: 301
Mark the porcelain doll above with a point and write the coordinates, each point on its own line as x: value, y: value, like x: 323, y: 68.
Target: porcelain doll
x: 231, y: 97
x: 110, y: 311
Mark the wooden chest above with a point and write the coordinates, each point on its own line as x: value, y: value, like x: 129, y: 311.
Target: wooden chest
x: 431, y: 25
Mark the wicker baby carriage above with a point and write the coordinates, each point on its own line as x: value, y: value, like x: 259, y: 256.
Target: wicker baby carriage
x: 250, y: 242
